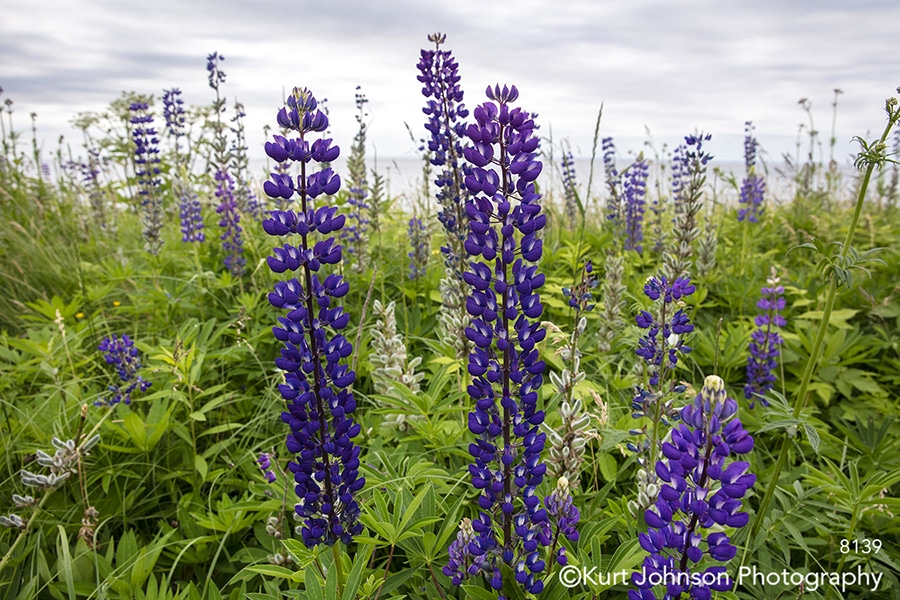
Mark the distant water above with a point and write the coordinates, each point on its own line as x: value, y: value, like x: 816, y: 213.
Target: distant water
x: 404, y: 179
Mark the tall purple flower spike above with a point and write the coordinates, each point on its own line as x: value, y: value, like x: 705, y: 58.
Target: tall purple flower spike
x: 316, y: 384
x: 505, y: 308
x: 699, y: 492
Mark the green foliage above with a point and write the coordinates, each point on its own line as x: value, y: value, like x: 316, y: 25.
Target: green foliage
x: 171, y: 505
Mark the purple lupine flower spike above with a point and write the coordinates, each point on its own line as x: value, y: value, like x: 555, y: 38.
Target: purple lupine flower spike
x: 765, y: 342
x: 753, y: 187
x: 503, y: 245
x: 635, y: 188
x: 320, y: 405
x: 146, y: 166
x: 121, y: 353
x: 699, y: 492
x: 232, y: 240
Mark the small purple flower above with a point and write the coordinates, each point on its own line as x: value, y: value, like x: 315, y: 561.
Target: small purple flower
x: 191, y: 216
x: 765, y: 342
x: 121, y: 353
x: 265, y: 465
x: 320, y: 403
x: 613, y: 181
x: 173, y: 113
x: 635, y: 189
x: 753, y: 187
x: 146, y: 167
x: 563, y: 516
x: 570, y: 189
x: 663, y: 342
x: 232, y: 240
x: 698, y: 492
x: 462, y: 562
x: 418, y: 256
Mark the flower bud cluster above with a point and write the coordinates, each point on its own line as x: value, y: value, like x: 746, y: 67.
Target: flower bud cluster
x: 388, y: 356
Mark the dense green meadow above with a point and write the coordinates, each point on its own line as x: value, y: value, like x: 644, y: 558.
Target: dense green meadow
x: 171, y: 502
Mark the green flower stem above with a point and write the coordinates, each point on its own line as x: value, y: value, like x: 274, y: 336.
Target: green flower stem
x: 893, y: 115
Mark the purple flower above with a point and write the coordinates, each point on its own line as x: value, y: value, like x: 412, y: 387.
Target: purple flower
x: 753, y: 187
x: 563, y: 516
x: 698, y: 492
x: 173, y: 112
x: 439, y: 75
x: 232, y: 241
x: 570, y: 190
x: 265, y: 465
x: 764, y: 343
x: 146, y: 168
x: 613, y: 181
x: 316, y: 387
x: 418, y: 256
x: 191, y: 216
x: 663, y: 342
x: 121, y: 353
x: 635, y: 188
x: 504, y: 304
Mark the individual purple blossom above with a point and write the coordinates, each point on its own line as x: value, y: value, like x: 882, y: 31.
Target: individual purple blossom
x: 580, y: 297
x: 765, y: 342
x: 146, y: 167
x: 635, y: 190
x: 232, y: 240
x: 320, y: 404
x: 265, y: 465
x: 121, y: 353
x: 505, y: 309
x: 699, y: 495
x: 753, y: 187
x: 419, y: 241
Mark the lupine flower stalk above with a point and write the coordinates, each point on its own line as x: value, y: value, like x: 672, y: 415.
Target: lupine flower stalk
x: 634, y: 191
x: 753, y: 187
x: 563, y: 516
x: 613, y: 293
x: 569, y: 440
x: 613, y: 182
x: 232, y: 238
x: 121, y: 353
x: 388, y: 356
x: 90, y: 172
x: 570, y: 191
x: 707, y: 247
x: 659, y: 348
x: 325, y: 463
x: 190, y: 212
x: 420, y: 241
x: 504, y: 218
x: 689, y: 177
x: 355, y: 234
x: 700, y: 494
x: 246, y: 201
x: 146, y: 164
x: 173, y: 114
x: 439, y: 75
x: 765, y: 342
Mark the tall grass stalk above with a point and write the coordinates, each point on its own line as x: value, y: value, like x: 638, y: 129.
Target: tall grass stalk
x: 870, y: 157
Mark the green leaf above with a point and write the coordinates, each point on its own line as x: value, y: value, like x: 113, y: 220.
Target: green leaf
x: 201, y: 466
x: 609, y: 468
x: 65, y: 561
x: 354, y: 579
x: 478, y: 593
x: 313, y: 587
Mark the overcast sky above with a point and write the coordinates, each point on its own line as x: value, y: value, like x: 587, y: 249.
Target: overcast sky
x: 669, y: 66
